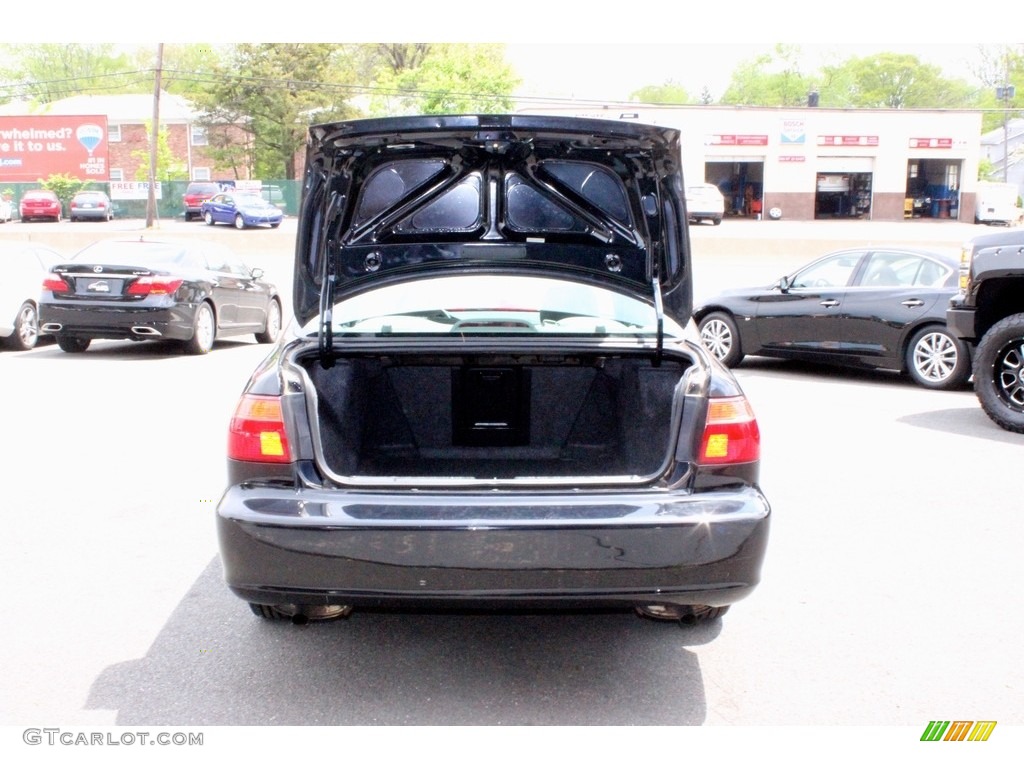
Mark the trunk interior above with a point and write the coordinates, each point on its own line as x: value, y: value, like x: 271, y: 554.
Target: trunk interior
x: 495, y: 416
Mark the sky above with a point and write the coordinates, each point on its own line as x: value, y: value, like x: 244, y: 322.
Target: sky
x: 584, y: 50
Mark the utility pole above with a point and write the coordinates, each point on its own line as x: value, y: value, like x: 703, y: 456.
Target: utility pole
x: 1006, y: 92
x: 154, y: 137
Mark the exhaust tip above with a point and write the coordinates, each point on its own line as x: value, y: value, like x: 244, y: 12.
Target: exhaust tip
x: 51, y: 327
x: 145, y: 330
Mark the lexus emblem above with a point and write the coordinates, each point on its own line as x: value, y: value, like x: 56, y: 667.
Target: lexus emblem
x: 97, y: 269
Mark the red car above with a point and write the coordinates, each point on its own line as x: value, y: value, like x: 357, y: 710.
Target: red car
x: 40, y: 204
x: 197, y: 193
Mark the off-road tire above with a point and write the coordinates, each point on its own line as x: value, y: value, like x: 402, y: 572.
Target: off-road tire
x: 999, y: 373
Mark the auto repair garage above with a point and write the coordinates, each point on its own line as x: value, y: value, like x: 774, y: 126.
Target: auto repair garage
x: 809, y: 163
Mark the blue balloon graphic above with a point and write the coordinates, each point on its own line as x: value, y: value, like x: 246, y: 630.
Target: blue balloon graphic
x: 89, y: 135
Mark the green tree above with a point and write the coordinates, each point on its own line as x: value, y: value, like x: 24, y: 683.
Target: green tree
x: 891, y: 81
x: 274, y: 91
x: 447, y: 78
x: 45, y: 72
x: 168, y: 167
x: 771, y: 79
x: 669, y: 92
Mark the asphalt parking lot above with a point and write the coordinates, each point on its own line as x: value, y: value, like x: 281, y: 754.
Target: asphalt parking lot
x: 889, y: 596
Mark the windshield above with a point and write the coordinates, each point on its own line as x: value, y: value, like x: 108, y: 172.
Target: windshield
x: 495, y: 304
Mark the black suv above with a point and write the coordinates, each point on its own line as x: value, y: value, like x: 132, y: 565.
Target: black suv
x: 493, y: 395
x: 989, y: 312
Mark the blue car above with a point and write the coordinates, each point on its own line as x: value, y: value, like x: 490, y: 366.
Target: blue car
x: 243, y: 209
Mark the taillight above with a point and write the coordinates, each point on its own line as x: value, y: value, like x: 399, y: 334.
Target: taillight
x: 257, y: 431
x: 146, y: 286
x: 731, y: 435
x: 55, y: 283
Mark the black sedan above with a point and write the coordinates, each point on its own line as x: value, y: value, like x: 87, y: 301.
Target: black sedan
x: 143, y: 289
x: 871, y: 307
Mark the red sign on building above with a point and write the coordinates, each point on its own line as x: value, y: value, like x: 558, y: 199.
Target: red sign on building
x: 739, y: 140
x: 847, y: 141
x: 33, y: 147
x: 931, y: 143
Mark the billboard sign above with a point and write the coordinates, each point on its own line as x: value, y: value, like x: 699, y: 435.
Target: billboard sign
x: 33, y: 147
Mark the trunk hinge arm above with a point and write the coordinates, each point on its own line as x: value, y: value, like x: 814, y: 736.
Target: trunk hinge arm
x: 328, y: 278
x: 325, y: 333
x: 659, y: 310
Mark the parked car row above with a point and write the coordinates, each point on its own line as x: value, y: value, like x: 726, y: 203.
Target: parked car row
x: 44, y: 205
x: 219, y: 202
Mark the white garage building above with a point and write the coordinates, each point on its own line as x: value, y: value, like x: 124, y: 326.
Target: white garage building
x: 811, y: 163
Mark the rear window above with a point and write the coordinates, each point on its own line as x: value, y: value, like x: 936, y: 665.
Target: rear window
x: 495, y: 304
x: 202, y: 189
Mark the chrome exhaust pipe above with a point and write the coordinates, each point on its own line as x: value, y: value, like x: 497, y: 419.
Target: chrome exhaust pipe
x: 51, y: 327
x: 145, y: 330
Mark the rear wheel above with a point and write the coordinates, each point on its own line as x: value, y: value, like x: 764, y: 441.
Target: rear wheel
x: 719, y: 334
x: 999, y: 373
x: 684, y: 614
x: 208, y: 218
x: 204, y: 331
x: 300, y: 614
x: 26, y: 327
x: 937, y: 359
x: 273, y: 326
x: 73, y: 344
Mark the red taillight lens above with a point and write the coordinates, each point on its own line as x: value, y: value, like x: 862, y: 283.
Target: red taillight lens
x: 56, y: 284
x: 731, y: 435
x: 146, y: 286
x: 257, y: 431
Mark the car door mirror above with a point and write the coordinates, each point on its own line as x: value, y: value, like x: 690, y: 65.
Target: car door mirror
x: 783, y: 285
x: 256, y: 273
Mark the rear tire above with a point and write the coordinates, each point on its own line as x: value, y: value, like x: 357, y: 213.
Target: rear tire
x: 688, y: 615
x: 26, y: 328
x: 204, y: 331
x: 301, y: 614
x: 273, y: 325
x: 721, y: 338
x: 208, y: 218
x: 936, y: 359
x: 999, y: 373
x: 73, y: 344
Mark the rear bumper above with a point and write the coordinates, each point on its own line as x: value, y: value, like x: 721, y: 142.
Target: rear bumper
x: 118, y: 321
x: 961, y: 323
x: 569, y: 550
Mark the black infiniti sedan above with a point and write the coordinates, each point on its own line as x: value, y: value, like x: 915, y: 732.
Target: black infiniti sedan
x: 871, y: 307
x: 143, y: 289
x: 492, y: 396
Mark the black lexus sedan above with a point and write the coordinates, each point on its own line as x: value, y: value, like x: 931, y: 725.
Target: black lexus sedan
x: 492, y: 396
x: 872, y: 307
x: 144, y: 289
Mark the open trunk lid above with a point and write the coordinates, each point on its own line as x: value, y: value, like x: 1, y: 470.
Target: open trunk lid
x: 592, y: 200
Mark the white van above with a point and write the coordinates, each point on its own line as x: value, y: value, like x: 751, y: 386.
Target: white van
x: 997, y: 204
